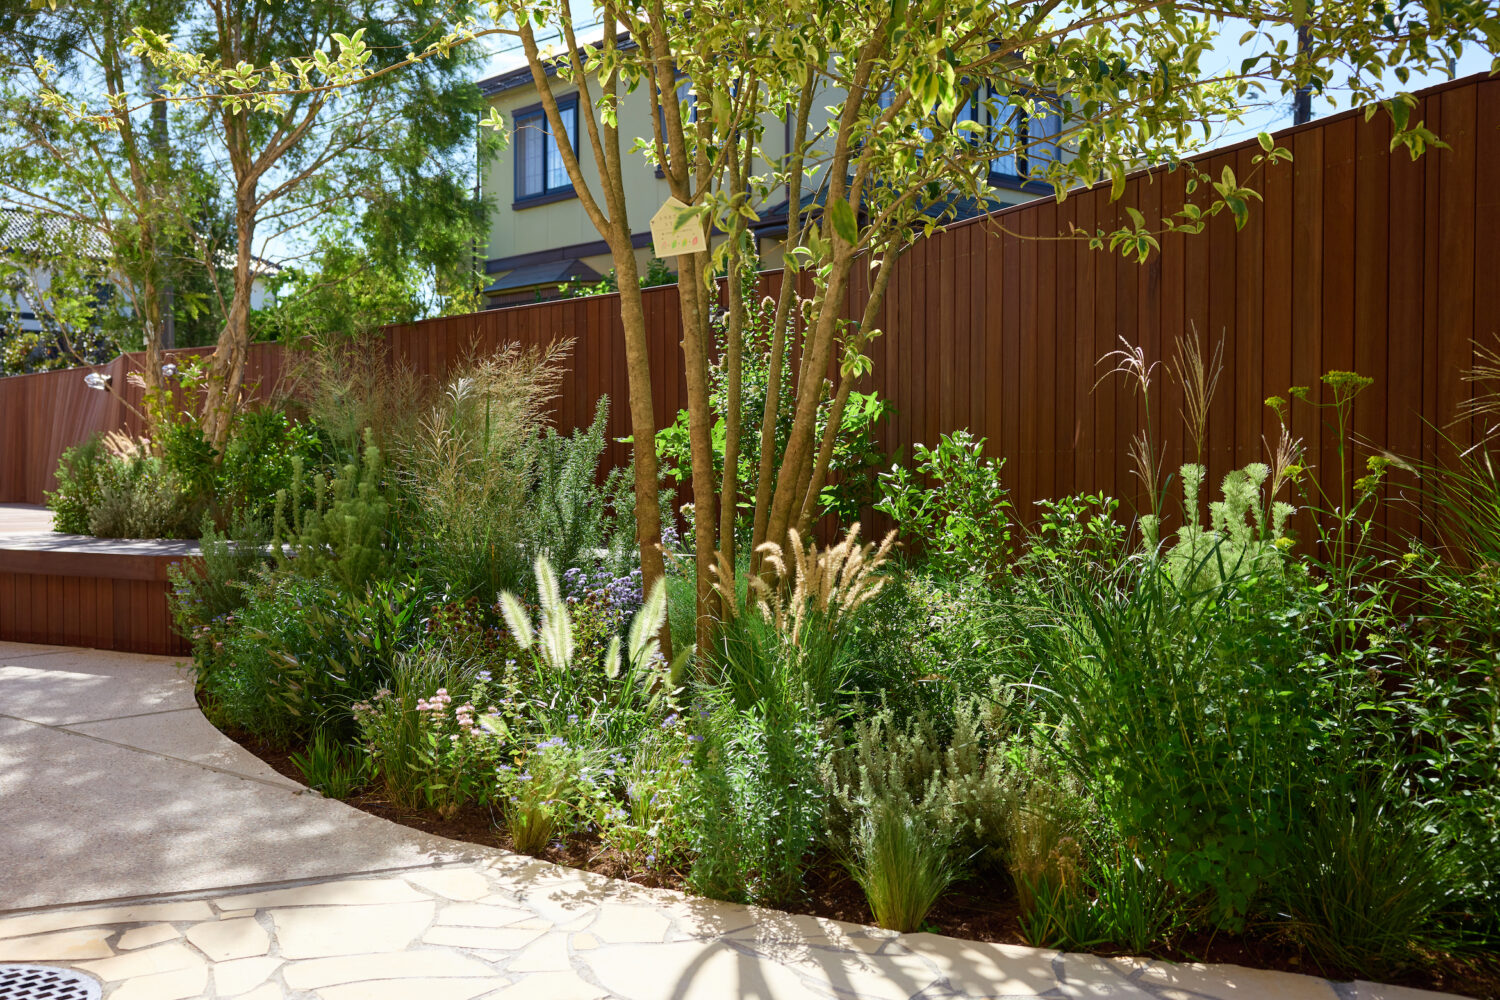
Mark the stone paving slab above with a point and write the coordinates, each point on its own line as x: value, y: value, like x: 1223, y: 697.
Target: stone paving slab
x: 245, y: 890
x: 404, y: 935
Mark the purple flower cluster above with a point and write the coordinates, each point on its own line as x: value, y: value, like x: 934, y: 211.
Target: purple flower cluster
x: 620, y: 593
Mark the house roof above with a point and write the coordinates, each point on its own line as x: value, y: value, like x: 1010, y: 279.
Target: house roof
x: 553, y: 272
x: 521, y: 76
x: 42, y: 233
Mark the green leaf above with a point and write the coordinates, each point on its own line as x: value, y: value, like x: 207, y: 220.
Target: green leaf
x: 841, y: 214
x: 1400, y: 113
x: 1266, y: 142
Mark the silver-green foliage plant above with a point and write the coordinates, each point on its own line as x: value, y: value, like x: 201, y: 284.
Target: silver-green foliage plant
x: 1245, y: 534
x: 962, y: 781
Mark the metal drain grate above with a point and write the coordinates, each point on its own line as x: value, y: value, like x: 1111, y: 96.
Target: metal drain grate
x: 43, y: 982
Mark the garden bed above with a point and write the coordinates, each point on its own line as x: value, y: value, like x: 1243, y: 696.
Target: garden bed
x: 975, y: 910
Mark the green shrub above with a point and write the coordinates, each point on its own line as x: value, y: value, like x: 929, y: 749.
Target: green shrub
x: 77, y: 492
x: 645, y: 816
x: 345, y: 533
x: 215, y: 586
x: 1246, y: 534
x: 963, y: 518
x: 258, y: 463
x: 243, y: 678
x: 140, y: 497
x: 549, y: 790
x: 569, y: 515
x: 756, y: 805
x: 302, y: 652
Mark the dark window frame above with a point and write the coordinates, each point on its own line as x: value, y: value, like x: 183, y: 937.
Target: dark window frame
x: 681, y: 81
x: 1021, y: 157
x: 534, y: 115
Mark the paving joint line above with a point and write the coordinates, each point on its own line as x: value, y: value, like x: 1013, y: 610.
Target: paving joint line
x: 188, y: 895
x: 119, y: 718
x: 51, y: 651
x: 58, y: 728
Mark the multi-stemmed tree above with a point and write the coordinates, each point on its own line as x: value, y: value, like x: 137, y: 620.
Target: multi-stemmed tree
x: 893, y: 113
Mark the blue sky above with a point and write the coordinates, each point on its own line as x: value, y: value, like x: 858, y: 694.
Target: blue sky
x: 504, y: 54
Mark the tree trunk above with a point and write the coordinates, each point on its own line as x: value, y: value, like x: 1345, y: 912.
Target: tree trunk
x: 693, y: 297
x: 642, y: 424
x: 226, y: 366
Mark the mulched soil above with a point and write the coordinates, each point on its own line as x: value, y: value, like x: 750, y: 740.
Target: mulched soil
x: 979, y: 909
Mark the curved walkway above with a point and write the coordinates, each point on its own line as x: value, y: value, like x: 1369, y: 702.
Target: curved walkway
x: 139, y: 845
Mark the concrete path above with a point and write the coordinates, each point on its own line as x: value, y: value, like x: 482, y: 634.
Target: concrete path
x: 140, y: 846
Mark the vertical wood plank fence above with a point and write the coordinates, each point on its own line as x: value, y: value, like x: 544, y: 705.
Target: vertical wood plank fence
x: 1358, y: 259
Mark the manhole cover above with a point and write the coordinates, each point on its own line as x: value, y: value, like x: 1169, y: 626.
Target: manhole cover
x: 42, y: 982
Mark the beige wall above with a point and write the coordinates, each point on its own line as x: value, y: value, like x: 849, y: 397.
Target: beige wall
x: 528, y: 229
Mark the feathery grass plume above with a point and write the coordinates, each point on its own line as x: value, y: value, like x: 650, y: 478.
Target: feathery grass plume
x: 517, y: 620
x: 1131, y: 363
x: 467, y: 468
x: 348, y: 386
x: 1286, y: 457
x: 1484, y: 405
x: 123, y: 446
x: 834, y: 582
x: 1199, y: 378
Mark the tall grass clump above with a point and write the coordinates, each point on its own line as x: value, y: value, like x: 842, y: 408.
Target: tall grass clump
x: 467, y: 470
x: 779, y: 671
x: 1191, y: 714
x: 1363, y: 889
x: 901, y: 864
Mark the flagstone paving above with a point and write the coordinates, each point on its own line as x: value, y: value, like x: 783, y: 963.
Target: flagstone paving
x: 457, y: 924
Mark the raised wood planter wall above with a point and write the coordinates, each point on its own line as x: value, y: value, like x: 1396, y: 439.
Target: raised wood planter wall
x: 69, y: 590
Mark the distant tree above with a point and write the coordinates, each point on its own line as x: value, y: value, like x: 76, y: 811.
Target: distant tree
x: 385, y: 148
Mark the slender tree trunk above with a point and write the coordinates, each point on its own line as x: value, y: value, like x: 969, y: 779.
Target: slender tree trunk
x: 226, y: 367
x: 692, y: 294
x: 790, y: 492
x: 642, y: 422
x: 819, y: 477
x: 784, y: 317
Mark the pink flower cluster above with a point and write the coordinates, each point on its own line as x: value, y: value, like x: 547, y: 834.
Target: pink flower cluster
x: 463, y: 714
x: 437, y: 703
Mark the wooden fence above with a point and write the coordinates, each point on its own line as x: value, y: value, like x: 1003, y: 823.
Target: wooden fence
x: 1358, y: 259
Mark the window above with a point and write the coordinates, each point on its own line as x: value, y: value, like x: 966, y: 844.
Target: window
x: 684, y: 94
x: 539, y: 167
x: 1034, y: 138
x: 1032, y: 141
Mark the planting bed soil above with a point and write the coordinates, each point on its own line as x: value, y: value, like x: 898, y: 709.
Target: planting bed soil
x: 977, y: 909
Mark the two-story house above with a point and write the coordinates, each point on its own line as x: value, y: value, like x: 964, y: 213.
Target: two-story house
x: 539, y: 234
